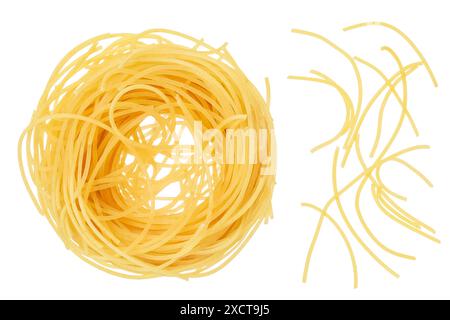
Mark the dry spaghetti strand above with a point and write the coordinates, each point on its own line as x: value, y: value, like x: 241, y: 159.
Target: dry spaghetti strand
x: 384, y: 198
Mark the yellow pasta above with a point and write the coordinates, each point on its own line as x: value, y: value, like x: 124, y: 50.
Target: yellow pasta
x: 384, y: 198
x: 101, y: 155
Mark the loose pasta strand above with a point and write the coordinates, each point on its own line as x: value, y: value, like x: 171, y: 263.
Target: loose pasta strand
x: 404, y: 36
x: 383, y: 196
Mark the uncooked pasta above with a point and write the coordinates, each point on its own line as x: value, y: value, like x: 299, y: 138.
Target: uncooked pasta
x: 104, y: 160
x: 347, y: 142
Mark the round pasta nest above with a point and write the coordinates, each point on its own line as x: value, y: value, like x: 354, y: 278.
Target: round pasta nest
x: 101, y: 155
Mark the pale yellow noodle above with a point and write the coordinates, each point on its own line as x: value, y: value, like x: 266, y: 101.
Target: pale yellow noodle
x: 382, y: 195
x: 404, y: 36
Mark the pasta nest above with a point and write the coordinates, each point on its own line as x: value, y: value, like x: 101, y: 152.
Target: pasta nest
x: 101, y: 155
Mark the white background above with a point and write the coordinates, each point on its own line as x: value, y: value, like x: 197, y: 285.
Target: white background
x: 36, y: 34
